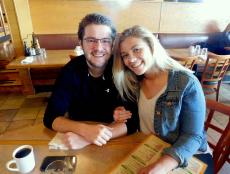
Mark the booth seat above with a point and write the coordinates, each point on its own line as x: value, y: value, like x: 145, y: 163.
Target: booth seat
x: 70, y: 41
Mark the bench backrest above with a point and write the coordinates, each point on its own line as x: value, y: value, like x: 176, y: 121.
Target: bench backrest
x: 180, y: 40
x: 58, y: 41
x: 168, y: 40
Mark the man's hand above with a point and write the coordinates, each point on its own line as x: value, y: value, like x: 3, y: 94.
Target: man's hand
x: 74, y: 141
x: 120, y: 114
x: 97, y: 134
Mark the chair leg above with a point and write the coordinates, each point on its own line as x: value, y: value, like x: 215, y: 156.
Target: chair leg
x: 218, y: 90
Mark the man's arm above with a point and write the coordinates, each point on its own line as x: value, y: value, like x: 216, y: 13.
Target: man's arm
x: 76, y: 141
x: 97, y: 134
x: 118, y: 129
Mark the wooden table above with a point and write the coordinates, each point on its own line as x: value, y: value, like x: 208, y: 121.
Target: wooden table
x: 54, y: 58
x: 179, y: 54
x: 91, y: 159
x: 183, y: 54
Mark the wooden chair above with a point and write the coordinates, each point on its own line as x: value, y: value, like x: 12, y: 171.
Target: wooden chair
x: 213, y: 73
x: 189, y: 62
x: 221, y: 150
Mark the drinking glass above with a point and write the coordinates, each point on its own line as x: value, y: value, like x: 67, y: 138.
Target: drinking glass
x: 204, y: 53
x: 192, y: 50
x: 43, y: 52
x: 197, y: 50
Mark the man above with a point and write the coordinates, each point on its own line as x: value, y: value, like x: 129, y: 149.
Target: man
x: 85, y: 91
x: 217, y: 41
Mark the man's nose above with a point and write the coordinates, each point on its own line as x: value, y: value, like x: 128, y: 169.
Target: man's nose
x: 98, y: 44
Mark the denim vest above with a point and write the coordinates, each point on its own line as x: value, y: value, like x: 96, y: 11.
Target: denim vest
x: 180, y: 115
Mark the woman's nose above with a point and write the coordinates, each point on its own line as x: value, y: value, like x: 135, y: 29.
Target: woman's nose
x: 132, y: 58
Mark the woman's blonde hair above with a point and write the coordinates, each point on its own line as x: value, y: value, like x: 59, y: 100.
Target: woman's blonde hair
x: 125, y: 80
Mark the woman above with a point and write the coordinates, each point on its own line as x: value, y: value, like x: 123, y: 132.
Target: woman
x: 170, y: 99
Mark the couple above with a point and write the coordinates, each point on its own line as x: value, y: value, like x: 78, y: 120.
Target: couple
x: 166, y: 93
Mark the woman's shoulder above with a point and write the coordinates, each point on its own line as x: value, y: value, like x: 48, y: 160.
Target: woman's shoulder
x: 182, y: 74
x: 182, y: 78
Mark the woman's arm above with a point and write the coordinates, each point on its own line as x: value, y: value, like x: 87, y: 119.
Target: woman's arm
x: 191, y: 124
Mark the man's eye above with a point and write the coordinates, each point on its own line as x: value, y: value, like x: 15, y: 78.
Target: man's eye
x: 91, y: 40
x: 105, y: 41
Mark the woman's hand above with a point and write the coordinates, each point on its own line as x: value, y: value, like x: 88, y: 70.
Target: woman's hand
x: 164, y: 165
x: 120, y: 114
x: 154, y: 168
x: 74, y: 141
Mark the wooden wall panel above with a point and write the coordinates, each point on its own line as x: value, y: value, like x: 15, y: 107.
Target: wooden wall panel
x: 63, y: 16
x: 14, y: 28
x: 24, y: 19
x: 139, y: 13
x: 193, y: 17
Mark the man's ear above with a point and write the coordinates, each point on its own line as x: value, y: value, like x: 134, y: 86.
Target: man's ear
x: 80, y: 43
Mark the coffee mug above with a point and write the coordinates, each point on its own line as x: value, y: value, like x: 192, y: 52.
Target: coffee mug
x: 23, y: 157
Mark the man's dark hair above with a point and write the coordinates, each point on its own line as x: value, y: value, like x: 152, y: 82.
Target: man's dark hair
x: 98, y: 19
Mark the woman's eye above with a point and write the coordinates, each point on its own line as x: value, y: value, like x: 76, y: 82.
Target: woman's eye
x: 124, y: 56
x: 136, y: 50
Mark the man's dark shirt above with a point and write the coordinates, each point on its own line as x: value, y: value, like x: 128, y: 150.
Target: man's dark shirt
x: 86, y: 98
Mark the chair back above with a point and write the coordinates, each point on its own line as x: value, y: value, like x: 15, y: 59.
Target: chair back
x: 189, y: 62
x: 221, y: 149
x: 213, y: 73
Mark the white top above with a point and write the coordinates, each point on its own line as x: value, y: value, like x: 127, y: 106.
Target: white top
x: 146, y: 109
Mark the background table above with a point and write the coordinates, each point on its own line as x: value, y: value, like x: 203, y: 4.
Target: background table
x: 53, y: 59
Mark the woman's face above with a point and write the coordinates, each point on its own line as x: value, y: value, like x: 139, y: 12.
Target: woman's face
x: 136, y: 55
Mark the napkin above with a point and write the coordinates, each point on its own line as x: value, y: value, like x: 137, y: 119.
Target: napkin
x: 56, y: 142
x: 27, y: 60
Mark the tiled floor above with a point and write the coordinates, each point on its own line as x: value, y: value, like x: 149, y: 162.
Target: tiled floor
x: 17, y: 111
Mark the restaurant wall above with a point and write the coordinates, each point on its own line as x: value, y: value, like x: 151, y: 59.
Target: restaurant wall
x: 63, y: 16
x: 194, y: 17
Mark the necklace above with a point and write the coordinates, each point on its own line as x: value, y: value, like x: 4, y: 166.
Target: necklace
x: 103, y: 77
